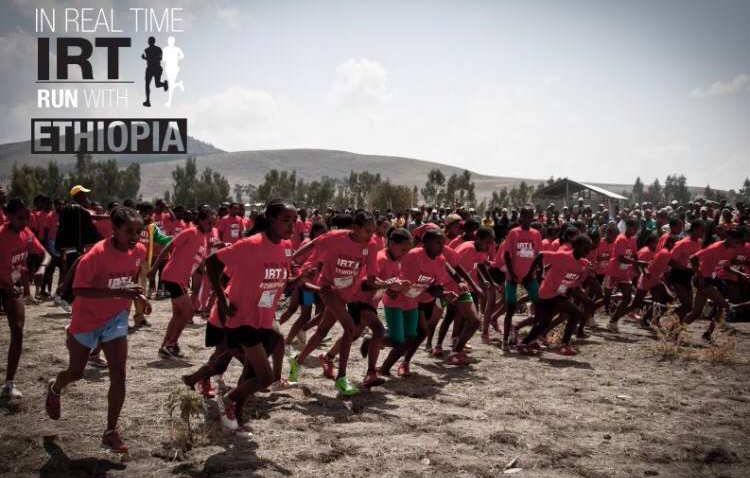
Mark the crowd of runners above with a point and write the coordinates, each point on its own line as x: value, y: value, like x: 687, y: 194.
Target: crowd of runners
x: 439, y: 278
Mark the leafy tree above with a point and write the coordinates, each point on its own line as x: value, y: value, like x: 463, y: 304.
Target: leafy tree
x: 654, y: 194
x: 391, y: 196
x: 744, y: 192
x: 637, y: 195
x: 190, y: 190
x: 433, y: 191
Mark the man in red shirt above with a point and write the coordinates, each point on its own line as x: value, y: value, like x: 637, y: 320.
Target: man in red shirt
x: 232, y: 225
x: 621, y: 269
x: 713, y: 264
x: 651, y: 281
x: 680, y: 276
x: 521, y: 247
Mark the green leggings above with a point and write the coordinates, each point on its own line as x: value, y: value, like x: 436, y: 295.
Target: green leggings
x: 402, y: 324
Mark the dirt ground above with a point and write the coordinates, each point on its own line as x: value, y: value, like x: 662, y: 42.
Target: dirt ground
x: 616, y: 410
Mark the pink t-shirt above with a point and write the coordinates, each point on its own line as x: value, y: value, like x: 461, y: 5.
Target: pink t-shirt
x: 16, y: 248
x: 684, y: 248
x: 387, y: 269
x: 189, y: 249
x: 565, y: 272
x: 623, y: 246
x: 299, y: 233
x: 230, y: 228
x: 656, y: 269
x: 258, y: 270
x: 603, y: 255
x: 713, y: 259
x: 422, y: 271
x: 343, y: 260
x: 456, y: 242
x: 522, y: 245
x: 469, y: 258
x: 645, y: 254
x: 379, y: 241
x: 103, y: 265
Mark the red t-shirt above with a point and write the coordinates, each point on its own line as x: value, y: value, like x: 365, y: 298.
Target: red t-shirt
x: 546, y: 245
x: 522, y: 246
x: 713, y: 259
x: 379, y: 242
x: 656, y: 269
x: 16, y: 248
x: 645, y: 254
x: 103, y: 265
x: 299, y: 233
x: 258, y: 271
x: 343, y: 260
x: 172, y: 227
x: 469, y: 258
x: 387, y: 269
x: 450, y: 256
x: 623, y: 246
x: 603, y: 255
x: 564, y: 272
x: 683, y: 249
x: 189, y: 248
x: 103, y: 227
x: 743, y: 257
x: 662, y: 241
x: 422, y: 271
x: 50, y: 225
x: 456, y: 242
x: 230, y: 228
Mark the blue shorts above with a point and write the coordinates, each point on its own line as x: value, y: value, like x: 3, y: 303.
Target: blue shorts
x: 307, y: 297
x: 114, y: 328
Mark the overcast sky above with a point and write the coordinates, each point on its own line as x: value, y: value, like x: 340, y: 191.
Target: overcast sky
x: 599, y: 91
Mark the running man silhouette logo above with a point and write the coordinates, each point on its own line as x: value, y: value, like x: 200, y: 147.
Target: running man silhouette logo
x: 171, y: 57
x: 153, y: 56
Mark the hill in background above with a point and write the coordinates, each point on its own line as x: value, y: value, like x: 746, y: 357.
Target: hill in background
x: 250, y: 167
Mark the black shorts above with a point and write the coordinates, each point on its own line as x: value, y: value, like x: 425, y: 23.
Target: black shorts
x: 355, y: 310
x: 720, y: 284
x: 215, y: 336
x: 680, y: 277
x: 174, y: 289
x: 427, y: 308
x: 497, y: 275
x: 247, y: 336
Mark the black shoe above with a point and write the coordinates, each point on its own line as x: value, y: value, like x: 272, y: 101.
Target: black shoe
x: 146, y: 103
x: 166, y: 85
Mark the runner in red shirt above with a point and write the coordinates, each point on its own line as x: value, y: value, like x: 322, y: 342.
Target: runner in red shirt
x: 232, y: 225
x: 181, y: 258
x: 562, y: 280
x: 521, y: 247
x: 676, y: 227
x: 241, y: 323
x: 341, y: 256
x: 104, y: 286
x: 18, y: 243
x: 651, y: 281
x: 712, y: 263
x: 621, y: 270
x: 681, y: 274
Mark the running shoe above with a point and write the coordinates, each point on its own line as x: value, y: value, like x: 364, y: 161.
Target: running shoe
x: 112, y: 441
x: 567, y: 349
x: 62, y: 304
x: 459, y: 359
x: 612, y: 326
x: 293, y: 370
x: 327, y: 365
x: 403, y: 370
x: 372, y: 380
x: 171, y: 352
x: 10, y: 391
x: 97, y: 361
x: 205, y: 388
x: 52, y: 403
x: 437, y: 352
x: 227, y: 414
x: 344, y: 386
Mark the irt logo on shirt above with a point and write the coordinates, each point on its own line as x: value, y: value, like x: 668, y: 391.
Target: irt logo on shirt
x: 346, y: 266
x: 275, y: 273
x: 525, y: 249
x: 119, y: 282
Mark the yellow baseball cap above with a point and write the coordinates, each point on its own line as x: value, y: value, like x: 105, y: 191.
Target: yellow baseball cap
x: 78, y: 189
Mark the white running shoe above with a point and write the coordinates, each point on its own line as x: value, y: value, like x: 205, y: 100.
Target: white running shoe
x: 10, y: 391
x: 226, y: 414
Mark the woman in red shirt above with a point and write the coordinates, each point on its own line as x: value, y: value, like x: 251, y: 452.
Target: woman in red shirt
x: 242, y: 320
x: 182, y: 257
x: 105, y: 284
x: 18, y: 243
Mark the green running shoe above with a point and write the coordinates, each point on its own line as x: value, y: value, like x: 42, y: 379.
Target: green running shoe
x: 293, y: 370
x: 345, y: 386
